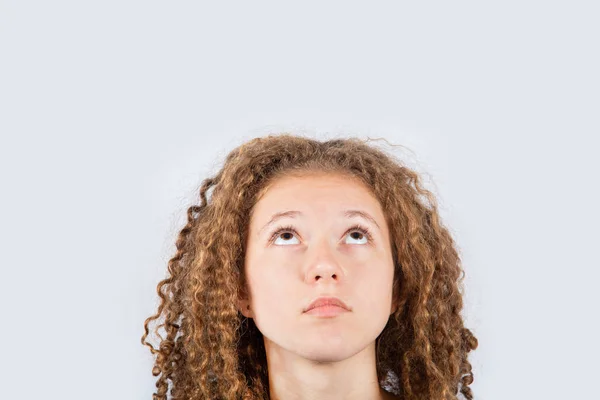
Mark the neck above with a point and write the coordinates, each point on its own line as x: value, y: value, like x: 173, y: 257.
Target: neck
x: 293, y: 377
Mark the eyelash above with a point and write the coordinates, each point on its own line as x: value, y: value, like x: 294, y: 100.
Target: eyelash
x: 289, y: 228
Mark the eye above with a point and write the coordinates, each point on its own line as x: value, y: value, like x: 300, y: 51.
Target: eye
x: 288, y: 230
x: 364, y: 235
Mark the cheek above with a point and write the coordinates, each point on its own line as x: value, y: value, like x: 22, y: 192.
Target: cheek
x: 376, y: 289
x: 273, y: 295
x: 273, y: 306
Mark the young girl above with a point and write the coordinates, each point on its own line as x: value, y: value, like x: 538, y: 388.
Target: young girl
x: 314, y: 270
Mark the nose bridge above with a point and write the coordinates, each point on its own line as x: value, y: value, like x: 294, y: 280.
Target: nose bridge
x: 323, y: 260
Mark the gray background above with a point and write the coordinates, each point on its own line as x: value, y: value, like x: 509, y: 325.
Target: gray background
x: 112, y: 112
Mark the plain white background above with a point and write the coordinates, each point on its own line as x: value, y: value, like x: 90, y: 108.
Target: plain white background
x: 112, y: 112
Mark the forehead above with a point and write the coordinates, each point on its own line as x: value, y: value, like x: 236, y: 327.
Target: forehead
x: 323, y: 190
x: 314, y: 180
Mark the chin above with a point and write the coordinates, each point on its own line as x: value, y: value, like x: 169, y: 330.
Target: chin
x: 322, y: 355
x: 332, y: 350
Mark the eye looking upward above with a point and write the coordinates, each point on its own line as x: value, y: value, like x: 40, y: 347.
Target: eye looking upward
x: 364, y: 231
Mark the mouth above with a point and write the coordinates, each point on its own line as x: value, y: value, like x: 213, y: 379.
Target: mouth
x: 327, y: 304
x: 329, y: 310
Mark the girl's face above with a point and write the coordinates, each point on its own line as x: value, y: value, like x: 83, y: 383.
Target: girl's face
x: 319, y: 252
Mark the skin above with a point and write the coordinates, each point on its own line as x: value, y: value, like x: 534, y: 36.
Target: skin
x: 311, y: 357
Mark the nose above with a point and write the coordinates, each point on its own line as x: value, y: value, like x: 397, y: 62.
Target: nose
x: 323, y: 264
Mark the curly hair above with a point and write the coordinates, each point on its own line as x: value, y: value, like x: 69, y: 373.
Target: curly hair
x: 211, y: 351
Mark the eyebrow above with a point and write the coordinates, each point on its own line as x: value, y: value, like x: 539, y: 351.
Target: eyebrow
x: 295, y: 213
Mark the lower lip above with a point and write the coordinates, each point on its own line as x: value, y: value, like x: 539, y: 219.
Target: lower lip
x: 327, y: 311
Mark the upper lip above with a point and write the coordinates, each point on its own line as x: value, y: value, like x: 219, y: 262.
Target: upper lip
x: 326, y: 300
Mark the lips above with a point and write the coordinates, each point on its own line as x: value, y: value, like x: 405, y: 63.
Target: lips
x: 327, y: 301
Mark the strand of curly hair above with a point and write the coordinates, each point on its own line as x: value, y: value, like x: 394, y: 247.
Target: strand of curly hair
x: 211, y: 351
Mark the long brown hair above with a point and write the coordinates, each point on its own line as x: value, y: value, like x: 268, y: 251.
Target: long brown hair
x: 211, y: 351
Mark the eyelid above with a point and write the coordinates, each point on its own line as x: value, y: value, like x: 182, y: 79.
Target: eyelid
x: 356, y: 227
